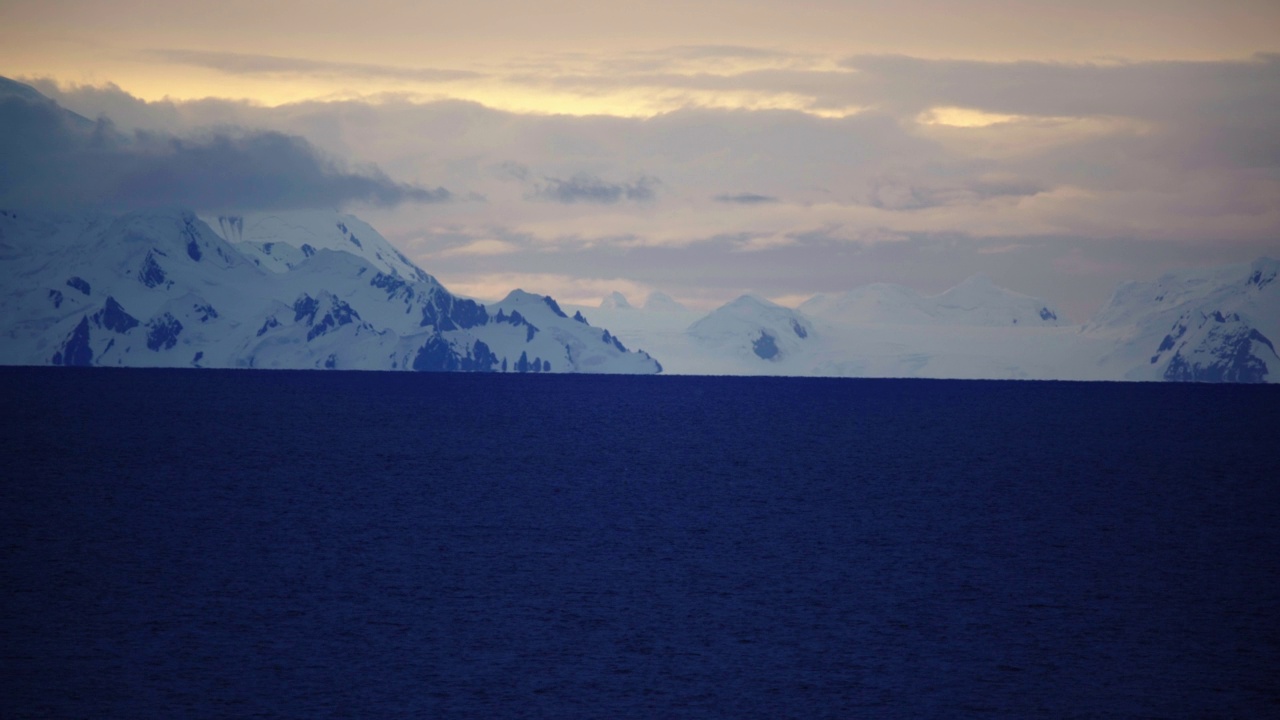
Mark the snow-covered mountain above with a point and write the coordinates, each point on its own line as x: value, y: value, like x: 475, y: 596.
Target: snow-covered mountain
x: 662, y: 302
x: 976, y: 301
x: 615, y: 301
x: 975, y: 329
x: 752, y: 326
x: 279, y: 241
x: 308, y: 289
x: 583, y: 347
x: 1212, y: 325
x: 655, y: 302
x: 884, y: 331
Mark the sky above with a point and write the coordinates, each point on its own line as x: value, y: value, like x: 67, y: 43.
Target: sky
x: 702, y: 148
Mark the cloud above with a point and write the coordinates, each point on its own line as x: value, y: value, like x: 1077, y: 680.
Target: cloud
x: 837, y: 235
x: 483, y: 248
x: 903, y: 86
x: 1156, y: 91
x: 696, y: 58
x: 728, y: 51
x: 1177, y: 156
x: 250, y: 64
x: 896, y: 193
x: 1174, y: 178
x: 110, y: 100
x: 746, y: 199
x: 50, y: 157
x: 566, y: 289
x: 585, y: 188
x: 758, y: 242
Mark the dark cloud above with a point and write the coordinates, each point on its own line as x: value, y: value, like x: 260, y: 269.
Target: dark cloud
x: 21, y: 90
x: 746, y: 199
x: 583, y: 188
x: 925, y: 191
x: 249, y: 64
x: 109, y: 99
x: 512, y: 169
x: 50, y: 157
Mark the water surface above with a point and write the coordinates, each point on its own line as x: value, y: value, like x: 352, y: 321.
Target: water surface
x: 179, y: 543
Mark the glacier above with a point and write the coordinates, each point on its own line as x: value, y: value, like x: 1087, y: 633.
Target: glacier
x: 1200, y: 325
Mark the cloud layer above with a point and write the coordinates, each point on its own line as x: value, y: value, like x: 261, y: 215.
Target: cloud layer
x: 53, y: 157
x: 251, y: 64
x: 1056, y: 178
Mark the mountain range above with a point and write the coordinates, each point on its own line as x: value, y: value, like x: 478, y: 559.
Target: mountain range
x: 302, y: 289
x: 1203, y: 325
x: 322, y: 289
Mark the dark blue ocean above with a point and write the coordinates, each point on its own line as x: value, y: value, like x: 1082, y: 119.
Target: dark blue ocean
x: 192, y: 544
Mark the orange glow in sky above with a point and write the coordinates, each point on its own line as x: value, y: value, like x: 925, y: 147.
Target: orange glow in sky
x: 518, y: 55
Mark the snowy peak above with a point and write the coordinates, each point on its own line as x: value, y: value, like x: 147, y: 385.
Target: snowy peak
x: 541, y: 307
x: 1215, y: 324
x: 556, y: 342
x: 1216, y: 348
x: 973, y: 291
x: 167, y: 238
x: 280, y: 241
x: 1262, y: 273
x: 614, y: 301
x: 754, y: 326
x: 978, y: 301
x: 877, y: 303
x: 1226, y: 286
x: 1247, y: 288
x: 661, y: 302
x: 750, y: 304
x: 654, y: 302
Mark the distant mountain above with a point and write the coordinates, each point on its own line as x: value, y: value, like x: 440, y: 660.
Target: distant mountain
x: 293, y: 290
x: 655, y: 302
x: 1206, y: 325
x: 615, y: 301
x: 752, y: 326
x: 587, y: 348
x: 976, y: 302
x: 661, y: 302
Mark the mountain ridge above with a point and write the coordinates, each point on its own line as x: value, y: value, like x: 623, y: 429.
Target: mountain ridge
x: 161, y: 288
x: 974, y: 301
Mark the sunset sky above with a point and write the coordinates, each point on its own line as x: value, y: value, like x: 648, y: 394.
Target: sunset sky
x: 710, y: 148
